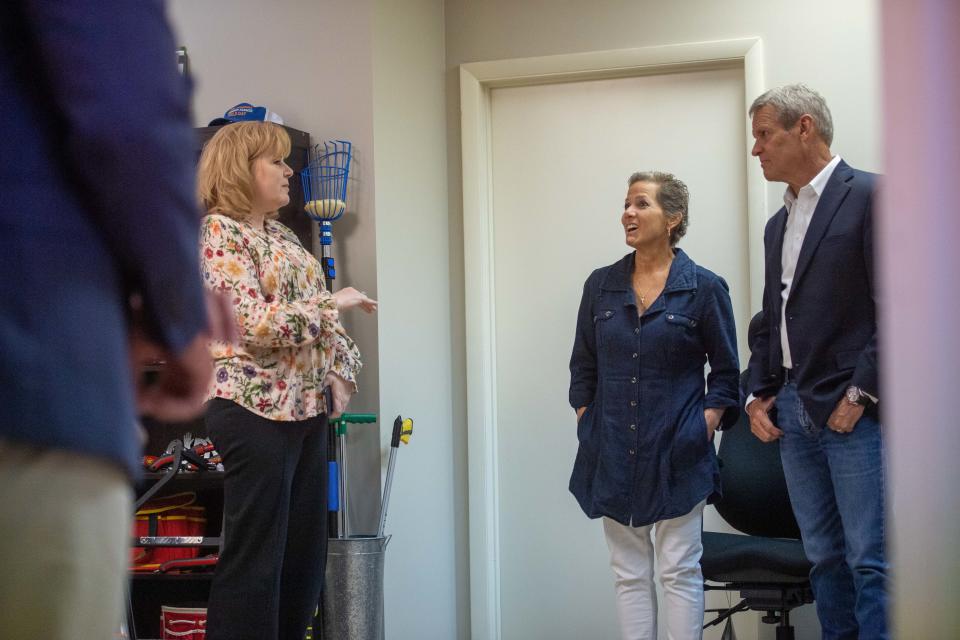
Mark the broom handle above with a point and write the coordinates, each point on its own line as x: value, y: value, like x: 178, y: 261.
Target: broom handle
x: 386, y: 491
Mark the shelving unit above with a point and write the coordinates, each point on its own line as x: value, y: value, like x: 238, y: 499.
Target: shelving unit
x: 150, y: 591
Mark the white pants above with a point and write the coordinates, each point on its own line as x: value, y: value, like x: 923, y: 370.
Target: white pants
x: 65, y: 523
x: 678, y: 548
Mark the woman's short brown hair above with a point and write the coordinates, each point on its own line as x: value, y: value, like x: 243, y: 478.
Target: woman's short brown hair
x: 225, y: 177
x: 672, y: 196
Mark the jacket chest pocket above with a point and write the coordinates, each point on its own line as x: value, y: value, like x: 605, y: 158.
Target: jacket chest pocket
x: 682, y: 335
x: 607, y: 324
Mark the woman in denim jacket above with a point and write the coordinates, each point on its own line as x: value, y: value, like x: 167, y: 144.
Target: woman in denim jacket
x: 647, y: 326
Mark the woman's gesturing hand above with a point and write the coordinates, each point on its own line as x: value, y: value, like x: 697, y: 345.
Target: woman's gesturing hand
x: 348, y: 297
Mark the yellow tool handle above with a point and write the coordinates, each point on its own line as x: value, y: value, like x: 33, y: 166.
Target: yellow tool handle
x: 406, y: 430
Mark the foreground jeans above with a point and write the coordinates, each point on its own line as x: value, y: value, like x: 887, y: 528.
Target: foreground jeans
x: 836, y: 486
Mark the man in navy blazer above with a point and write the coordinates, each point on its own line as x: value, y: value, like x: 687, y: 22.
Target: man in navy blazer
x: 97, y: 205
x: 815, y: 358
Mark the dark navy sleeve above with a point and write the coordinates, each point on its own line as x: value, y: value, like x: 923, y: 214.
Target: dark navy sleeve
x: 109, y: 66
x: 720, y: 338
x: 583, y: 360
x: 761, y: 382
x: 759, y: 357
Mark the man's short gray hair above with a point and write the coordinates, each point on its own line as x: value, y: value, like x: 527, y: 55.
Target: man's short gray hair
x: 672, y: 196
x: 794, y: 100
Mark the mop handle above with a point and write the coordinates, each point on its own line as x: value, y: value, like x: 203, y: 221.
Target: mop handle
x: 402, y: 430
x: 394, y: 444
x: 386, y: 491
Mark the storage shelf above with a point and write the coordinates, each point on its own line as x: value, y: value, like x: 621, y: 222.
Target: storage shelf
x: 198, y: 480
x: 141, y: 576
x: 175, y: 541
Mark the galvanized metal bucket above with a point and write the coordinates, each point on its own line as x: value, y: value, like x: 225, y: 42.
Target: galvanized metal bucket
x: 353, y: 591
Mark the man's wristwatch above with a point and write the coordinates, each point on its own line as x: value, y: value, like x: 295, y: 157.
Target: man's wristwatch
x: 855, y: 395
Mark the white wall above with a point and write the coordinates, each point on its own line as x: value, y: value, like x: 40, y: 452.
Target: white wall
x: 426, y: 567
x: 310, y: 62
x: 829, y: 45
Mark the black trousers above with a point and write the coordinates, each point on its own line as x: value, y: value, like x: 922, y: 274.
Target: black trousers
x: 271, y: 569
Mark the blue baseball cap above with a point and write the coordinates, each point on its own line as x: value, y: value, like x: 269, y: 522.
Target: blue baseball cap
x: 244, y: 112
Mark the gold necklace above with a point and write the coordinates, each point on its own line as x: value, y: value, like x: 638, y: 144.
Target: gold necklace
x: 643, y: 295
x: 643, y: 298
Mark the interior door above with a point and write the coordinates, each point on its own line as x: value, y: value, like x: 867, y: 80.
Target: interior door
x: 561, y: 156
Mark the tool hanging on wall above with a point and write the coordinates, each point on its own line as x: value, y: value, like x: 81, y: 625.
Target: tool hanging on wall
x: 402, y: 430
x: 324, y: 182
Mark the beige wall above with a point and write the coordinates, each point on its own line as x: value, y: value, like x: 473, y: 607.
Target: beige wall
x: 310, y: 62
x: 426, y: 572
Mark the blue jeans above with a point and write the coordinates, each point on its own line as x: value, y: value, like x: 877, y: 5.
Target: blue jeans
x: 835, y: 482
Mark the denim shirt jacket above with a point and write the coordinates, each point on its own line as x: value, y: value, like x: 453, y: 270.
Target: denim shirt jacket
x: 644, y: 455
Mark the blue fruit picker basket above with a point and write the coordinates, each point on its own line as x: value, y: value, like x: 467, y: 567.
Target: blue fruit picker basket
x: 325, y: 193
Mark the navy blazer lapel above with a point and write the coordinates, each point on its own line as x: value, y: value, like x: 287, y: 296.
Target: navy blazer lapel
x: 833, y: 196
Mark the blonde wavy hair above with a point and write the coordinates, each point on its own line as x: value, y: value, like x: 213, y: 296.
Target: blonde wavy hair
x: 225, y: 172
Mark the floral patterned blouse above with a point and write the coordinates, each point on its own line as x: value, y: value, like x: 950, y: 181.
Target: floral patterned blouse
x: 290, y: 332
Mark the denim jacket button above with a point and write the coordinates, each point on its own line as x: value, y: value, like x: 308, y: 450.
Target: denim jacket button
x: 633, y: 380
x: 670, y: 317
x: 633, y: 427
x: 634, y: 355
x: 637, y: 330
x: 608, y: 313
x: 633, y: 403
x: 633, y: 452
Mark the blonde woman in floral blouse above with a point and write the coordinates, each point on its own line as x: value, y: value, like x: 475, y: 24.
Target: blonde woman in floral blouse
x: 267, y: 413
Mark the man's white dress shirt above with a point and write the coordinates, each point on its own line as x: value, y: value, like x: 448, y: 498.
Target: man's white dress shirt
x: 800, y: 210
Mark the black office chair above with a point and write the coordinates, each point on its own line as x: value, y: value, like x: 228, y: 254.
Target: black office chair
x: 767, y: 566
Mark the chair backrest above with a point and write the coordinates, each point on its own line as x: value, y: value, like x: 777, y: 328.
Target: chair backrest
x: 755, y: 499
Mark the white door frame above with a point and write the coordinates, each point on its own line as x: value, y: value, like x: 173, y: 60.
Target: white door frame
x: 476, y: 81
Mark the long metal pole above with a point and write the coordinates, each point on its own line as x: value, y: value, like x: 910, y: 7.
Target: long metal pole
x: 342, y: 468
x: 386, y: 491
